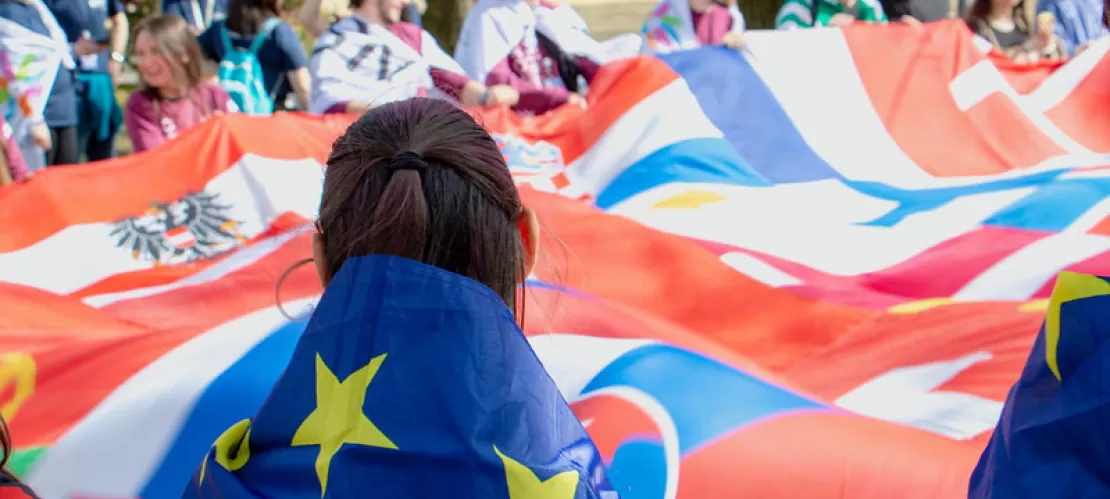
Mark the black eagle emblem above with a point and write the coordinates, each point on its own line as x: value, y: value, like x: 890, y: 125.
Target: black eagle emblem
x: 195, y: 227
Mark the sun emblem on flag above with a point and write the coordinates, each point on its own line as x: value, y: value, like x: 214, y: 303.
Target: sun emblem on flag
x: 537, y: 164
x: 195, y: 227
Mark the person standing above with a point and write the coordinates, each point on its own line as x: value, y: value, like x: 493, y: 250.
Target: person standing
x: 1079, y: 23
x: 200, y: 14
x: 55, y: 129
x: 281, y: 57
x: 101, y: 24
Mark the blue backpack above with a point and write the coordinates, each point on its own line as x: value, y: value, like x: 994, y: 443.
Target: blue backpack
x: 240, y: 73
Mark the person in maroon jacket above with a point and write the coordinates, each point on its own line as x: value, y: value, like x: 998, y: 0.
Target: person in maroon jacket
x: 500, y: 44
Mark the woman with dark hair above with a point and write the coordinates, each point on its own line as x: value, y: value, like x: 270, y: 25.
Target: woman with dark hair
x: 436, y: 189
x: 421, y: 244
x: 175, y: 95
x: 1008, y: 24
x: 7, y: 479
x: 280, y: 55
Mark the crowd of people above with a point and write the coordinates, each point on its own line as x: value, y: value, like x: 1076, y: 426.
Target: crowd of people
x: 200, y: 58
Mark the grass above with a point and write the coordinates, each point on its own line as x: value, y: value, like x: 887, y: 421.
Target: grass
x: 123, y: 142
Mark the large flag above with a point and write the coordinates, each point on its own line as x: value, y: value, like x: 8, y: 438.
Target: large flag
x: 1050, y: 440
x: 783, y: 276
x: 409, y: 381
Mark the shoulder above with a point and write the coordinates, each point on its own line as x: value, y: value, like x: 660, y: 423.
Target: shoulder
x: 212, y: 91
x: 217, y: 97
x: 344, y: 25
x: 284, y: 35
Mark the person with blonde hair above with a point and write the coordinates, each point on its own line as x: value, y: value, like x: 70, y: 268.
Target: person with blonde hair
x: 175, y: 94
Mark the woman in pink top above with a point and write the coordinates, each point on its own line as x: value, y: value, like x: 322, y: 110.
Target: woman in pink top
x: 176, y: 95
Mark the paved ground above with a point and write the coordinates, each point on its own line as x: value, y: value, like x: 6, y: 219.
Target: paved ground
x: 607, y: 18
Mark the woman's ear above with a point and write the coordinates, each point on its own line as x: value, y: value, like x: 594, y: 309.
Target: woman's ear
x: 529, y: 227
x: 318, y: 258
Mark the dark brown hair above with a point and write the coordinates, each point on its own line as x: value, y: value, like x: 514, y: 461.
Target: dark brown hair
x: 247, y: 16
x: 1024, y: 14
x: 7, y: 478
x: 459, y: 213
x: 178, y: 46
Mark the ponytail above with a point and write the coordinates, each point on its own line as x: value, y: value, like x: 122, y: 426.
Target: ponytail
x: 401, y: 215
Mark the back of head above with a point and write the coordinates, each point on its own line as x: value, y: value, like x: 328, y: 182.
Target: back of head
x: 421, y: 179
x: 177, y: 44
x: 247, y: 16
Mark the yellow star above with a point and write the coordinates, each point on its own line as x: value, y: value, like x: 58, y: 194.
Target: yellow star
x: 1069, y: 287
x: 689, y: 200
x: 523, y: 483
x: 338, y: 418
x: 232, y: 448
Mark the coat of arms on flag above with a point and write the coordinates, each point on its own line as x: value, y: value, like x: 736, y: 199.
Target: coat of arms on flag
x: 192, y: 228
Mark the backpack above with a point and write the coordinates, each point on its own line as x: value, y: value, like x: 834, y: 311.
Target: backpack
x: 240, y: 73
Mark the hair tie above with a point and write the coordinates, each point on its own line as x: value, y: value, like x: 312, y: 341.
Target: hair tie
x: 408, y: 160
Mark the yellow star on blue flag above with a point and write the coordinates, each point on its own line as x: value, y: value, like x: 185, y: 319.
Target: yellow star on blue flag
x: 338, y: 418
x: 409, y: 381
x: 1048, y: 442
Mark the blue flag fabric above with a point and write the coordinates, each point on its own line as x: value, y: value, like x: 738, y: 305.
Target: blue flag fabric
x: 1052, y: 439
x: 409, y: 382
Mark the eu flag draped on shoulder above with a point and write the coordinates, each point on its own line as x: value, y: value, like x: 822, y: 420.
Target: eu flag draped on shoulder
x: 409, y: 382
x: 1053, y: 439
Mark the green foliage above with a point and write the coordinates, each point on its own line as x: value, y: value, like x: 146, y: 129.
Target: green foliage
x: 137, y: 10
x: 760, y: 14
x: 444, y: 19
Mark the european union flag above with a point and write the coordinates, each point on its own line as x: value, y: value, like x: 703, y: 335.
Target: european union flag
x: 1052, y: 438
x: 409, y: 382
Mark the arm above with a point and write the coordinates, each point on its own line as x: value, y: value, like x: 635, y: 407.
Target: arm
x: 537, y: 100
x: 117, y: 38
x: 455, y: 85
x: 309, y: 16
x: 301, y: 82
x: 142, y: 126
x: 294, y: 62
x: 16, y: 165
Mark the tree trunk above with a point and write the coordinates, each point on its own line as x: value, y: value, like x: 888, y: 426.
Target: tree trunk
x: 444, y: 19
x: 759, y: 14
